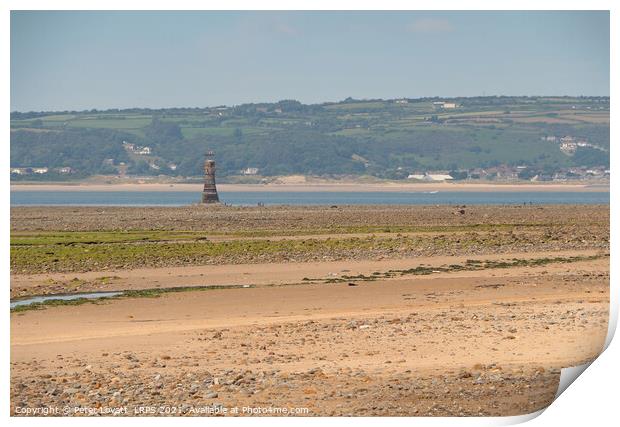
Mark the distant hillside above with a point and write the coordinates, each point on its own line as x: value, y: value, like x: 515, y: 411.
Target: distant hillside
x: 382, y: 138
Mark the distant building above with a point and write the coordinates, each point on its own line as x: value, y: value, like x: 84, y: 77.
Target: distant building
x: 439, y: 177
x: 402, y: 101
x: 568, y: 148
x: 560, y: 176
x: 504, y: 173
x: 445, y: 105
x: 65, y: 170
x: 20, y: 171
x: 128, y: 146
x: 541, y: 177
x: 132, y: 148
x: 431, y: 177
x: 250, y: 171
x: 477, y: 173
x: 416, y: 176
x: 40, y: 170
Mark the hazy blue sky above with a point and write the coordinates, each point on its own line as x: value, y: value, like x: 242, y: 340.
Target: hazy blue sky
x: 82, y: 60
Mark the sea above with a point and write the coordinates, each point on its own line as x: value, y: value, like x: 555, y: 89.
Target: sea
x: 330, y: 198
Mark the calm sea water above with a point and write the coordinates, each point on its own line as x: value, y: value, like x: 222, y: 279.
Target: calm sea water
x: 178, y: 198
x: 43, y: 298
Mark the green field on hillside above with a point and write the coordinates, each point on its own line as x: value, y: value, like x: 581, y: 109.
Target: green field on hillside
x: 395, y: 137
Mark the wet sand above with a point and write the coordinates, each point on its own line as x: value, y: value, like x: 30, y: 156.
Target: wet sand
x: 481, y: 343
x: 23, y: 285
x: 503, y: 301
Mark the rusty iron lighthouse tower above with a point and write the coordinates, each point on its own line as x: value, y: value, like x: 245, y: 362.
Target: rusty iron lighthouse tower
x: 209, y: 193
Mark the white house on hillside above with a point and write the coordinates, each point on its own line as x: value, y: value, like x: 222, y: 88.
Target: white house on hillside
x: 431, y: 177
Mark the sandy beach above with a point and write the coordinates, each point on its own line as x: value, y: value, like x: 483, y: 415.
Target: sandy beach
x: 417, y: 311
x: 409, y: 346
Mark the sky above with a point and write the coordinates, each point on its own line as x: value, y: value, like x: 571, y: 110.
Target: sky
x: 68, y: 60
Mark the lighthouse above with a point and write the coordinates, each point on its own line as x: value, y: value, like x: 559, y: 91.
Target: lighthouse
x: 209, y: 193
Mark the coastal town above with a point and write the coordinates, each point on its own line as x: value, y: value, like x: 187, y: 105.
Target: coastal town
x: 501, y: 173
x: 498, y: 174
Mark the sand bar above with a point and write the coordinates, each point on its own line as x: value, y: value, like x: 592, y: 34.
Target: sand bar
x: 321, y: 187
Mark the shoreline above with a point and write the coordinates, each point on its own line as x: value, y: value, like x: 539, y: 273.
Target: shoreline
x: 322, y: 187
x: 415, y: 309
x: 491, y: 334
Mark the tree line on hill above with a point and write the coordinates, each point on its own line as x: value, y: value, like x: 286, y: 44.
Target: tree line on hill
x: 325, y: 148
